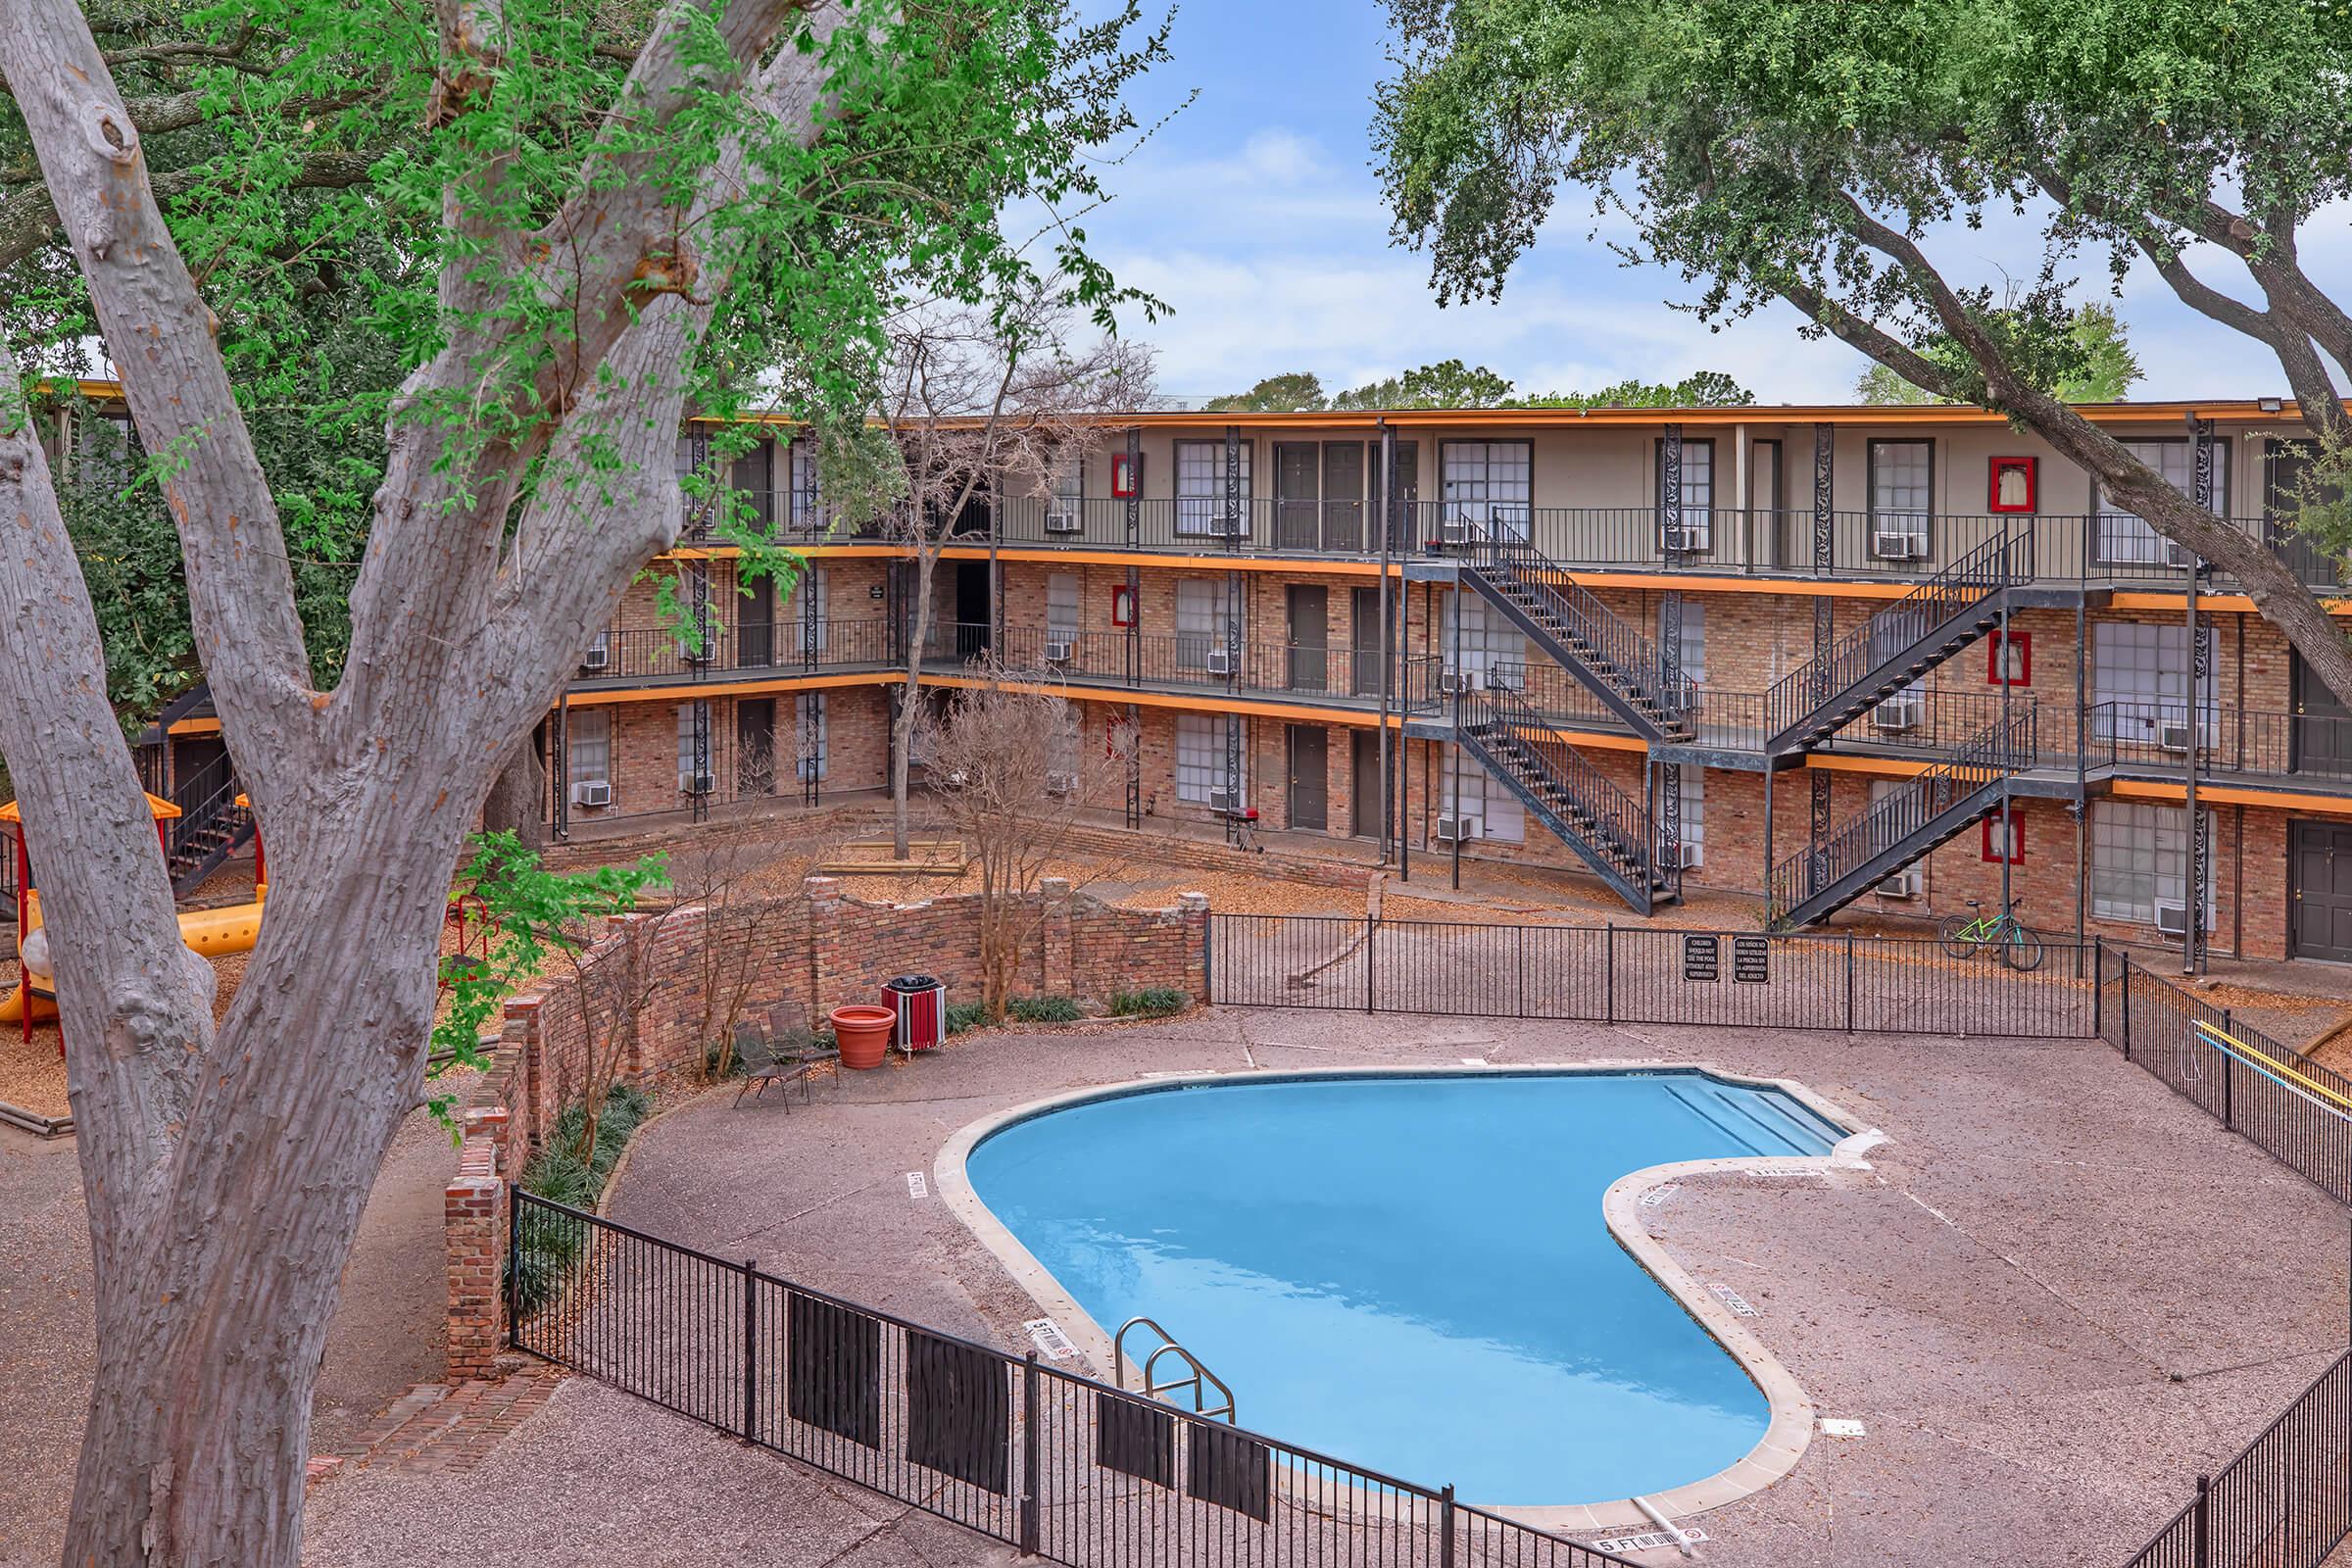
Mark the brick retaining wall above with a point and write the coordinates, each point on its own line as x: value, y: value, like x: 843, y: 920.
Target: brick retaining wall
x: 814, y: 951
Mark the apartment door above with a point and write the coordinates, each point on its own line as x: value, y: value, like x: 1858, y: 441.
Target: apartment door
x: 1343, y: 496
x: 1310, y: 638
x: 1310, y: 782
x: 1404, y: 498
x: 756, y: 746
x: 2321, y: 735
x: 756, y: 631
x: 1363, y: 785
x: 974, y: 625
x: 1363, y: 643
x: 2319, y: 873
x: 1296, y: 495
x: 2285, y: 471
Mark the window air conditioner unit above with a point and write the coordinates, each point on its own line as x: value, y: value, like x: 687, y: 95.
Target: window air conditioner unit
x: 1061, y: 781
x: 1684, y: 541
x: 2173, y: 738
x: 2176, y: 554
x: 1057, y: 650
x: 1220, y: 660
x: 1221, y: 801
x: 592, y: 792
x: 2171, y: 919
x: 598, y: 656
x: 1059, y: 522
x: 1898, y: 715
x: 1454, y: 682
x: 1898, y: 544
x: 697, y: 655
x: 1904, y: 884
x: 1453, y: 829
x: 693, y: 783
x: 1228, y: 525
x: 1683, y: 856
x: 1454, y: 531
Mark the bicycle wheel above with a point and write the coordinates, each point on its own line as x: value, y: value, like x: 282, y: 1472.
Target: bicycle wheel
x: 1958, y: 933
x: 2022, y: 951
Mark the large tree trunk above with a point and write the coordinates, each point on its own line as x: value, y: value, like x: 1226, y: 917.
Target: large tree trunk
x: 517, y: 797
x: 911, y: 696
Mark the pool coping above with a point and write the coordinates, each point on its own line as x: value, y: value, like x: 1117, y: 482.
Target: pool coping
x: 1789, y: 1426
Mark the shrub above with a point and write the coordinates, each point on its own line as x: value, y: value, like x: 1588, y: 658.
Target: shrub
x: 1045, y: 1010
x: 548, y: 1243
x: 1155, y: 1002
x: 963, y: 1015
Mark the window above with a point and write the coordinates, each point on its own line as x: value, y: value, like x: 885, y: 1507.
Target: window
x: 588, y: 748
x: 1199, y: 621
x: 2139, y: 680
x: 1694, y: 816
x: 1201, y: 757
x: 1487, y: 485
x: 2125, y: 540
x: 1494, y: 808
x: 1492, y: 648
x: 1903, y: 489
x: 1989, y: 831
x: 809, y: 747
x: 1698, y: 495
x: 2140, y: 859
x: 1069, y: 483
x: 2009, y: 660
x: 109, y: 446
x: 807, y: 499
x: 1062, y: 761
x: 2009, y: 485
x: 1061, y: 607
x: 689, y: 713
x: 1691, y: 653
x: 794, y: 630
x: 1200, y: 490
x: 1890, y: 631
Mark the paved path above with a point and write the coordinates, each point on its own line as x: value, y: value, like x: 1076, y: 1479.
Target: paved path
x: 2057, y: 1295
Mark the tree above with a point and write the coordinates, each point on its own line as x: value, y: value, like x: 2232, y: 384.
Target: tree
x: 759, y: 182
x: 1817, y: 153
x: 1276, y: 394
x: 2105, y: 370
x: 972, y: 397
x: 1010, y: 766
x: 1706, y: 389
x: 1446, y: 385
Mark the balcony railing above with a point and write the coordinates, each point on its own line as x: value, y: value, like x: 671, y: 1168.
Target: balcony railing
x: 1204, y: 661
x: 664, y: 653
x: 2155, y: 736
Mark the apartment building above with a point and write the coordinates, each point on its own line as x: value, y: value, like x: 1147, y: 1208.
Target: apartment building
x: 1818, y: 656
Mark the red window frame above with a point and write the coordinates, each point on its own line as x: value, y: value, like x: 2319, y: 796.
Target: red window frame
x: 1126, y: 475
x: 1991, y: 850
x: 2024, y: 643
x: 1994, y: 470
x: 1122, y: 605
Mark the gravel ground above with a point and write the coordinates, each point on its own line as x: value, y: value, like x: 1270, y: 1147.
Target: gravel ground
x: 2059, y: 1293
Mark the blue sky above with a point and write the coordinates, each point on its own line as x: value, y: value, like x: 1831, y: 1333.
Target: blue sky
x: 1256, y: 214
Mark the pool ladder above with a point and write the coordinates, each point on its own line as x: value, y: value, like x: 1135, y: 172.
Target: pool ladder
x: 1199, y: 1383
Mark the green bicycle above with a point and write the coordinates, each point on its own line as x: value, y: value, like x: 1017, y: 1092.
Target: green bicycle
x: 1964, y: 936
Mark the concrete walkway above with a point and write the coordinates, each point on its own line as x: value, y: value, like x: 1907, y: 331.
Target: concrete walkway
x: 2059, y: 1293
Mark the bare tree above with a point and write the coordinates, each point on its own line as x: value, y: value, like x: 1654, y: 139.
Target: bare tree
x: 981, y: 403
x: 528, y: 476
x: 1010, y: 769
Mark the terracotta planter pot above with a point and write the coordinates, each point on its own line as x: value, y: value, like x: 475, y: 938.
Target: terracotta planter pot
x: 862, y: 1033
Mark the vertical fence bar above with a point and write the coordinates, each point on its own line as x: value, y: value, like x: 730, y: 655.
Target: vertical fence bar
x: 2203, y: 1542
x: 2124, y: 1001
x: 1608, y: 975
x: 1850, y: 982
x: 1446, y: 1527
x: 1371, y: 928
x: 750, y: 1350
x: 1031, y: 1405
x: 506, y: 1289
x: 2098, y: 983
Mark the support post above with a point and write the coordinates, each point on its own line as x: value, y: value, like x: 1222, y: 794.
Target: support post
x: 1608, y: 973
x: 1446, y: 1527
x: 1031, y: 1398
x: 513, y: 1258
x: 1371, y: 928
x: 2193, y: 871
x: 750, y: 1350
x: 1850, y: 982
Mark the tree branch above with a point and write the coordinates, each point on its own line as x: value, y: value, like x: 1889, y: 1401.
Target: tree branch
x: 28, y: 217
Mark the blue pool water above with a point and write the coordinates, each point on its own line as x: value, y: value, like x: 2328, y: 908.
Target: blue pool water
x: 1408, y: 1273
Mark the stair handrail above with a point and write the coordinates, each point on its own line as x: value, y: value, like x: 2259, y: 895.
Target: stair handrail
x: 213, y: 799
x: 2003, y: 748
x: 1637, y: 657
x: 1629, y: 836
x: 1987, y: 569
x: 1202, y: 1379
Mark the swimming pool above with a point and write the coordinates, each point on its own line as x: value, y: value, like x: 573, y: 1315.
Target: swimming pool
x: 1409, y: 1272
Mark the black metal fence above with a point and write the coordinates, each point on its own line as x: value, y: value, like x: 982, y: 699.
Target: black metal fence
x: 1647, y: 974
x: 2282, y: 1502
x: 1052, y: 1464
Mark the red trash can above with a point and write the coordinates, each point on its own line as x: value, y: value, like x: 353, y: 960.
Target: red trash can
x: 921, y: 1005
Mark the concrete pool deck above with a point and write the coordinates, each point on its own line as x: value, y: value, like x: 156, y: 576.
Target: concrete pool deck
x: 2057, y: 1293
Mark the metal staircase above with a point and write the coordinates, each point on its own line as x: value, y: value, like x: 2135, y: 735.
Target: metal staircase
x: 1609, y: 829
x: 210, y: 828
x: 1871, y: 664
x: 1902, y: 827
x: 1625, y: 669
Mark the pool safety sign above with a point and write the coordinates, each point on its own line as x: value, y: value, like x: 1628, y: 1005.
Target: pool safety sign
x: 1702, y: 959
x: 1751, y: 959
x: 1051, y: 1342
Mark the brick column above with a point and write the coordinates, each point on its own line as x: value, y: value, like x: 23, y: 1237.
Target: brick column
x: 1192, y: 909
x: 824, y: 933
x: 1056, y: 969
x: 520, y: 1031
x: 473, y: 1219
